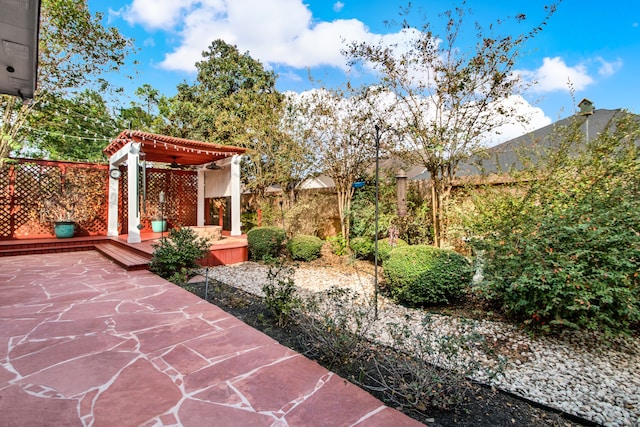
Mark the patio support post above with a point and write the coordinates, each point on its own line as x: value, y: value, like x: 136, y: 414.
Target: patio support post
x: 235, y: 195
x: 200, y: 216
x: 132, y: 180
x: 115, y: 160
x: 112, y: 225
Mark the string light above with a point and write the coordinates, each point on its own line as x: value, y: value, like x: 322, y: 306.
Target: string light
x: 65, y: 136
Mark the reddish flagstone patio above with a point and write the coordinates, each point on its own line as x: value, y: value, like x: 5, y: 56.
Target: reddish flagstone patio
x: 84, y: 342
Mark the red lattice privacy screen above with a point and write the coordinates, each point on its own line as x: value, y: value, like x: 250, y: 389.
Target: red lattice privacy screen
x: 181, y: 198
x: 28, y: 186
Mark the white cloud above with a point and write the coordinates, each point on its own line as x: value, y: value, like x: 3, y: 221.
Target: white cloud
x: 556, y: 75
x: 275, y: 32
x: 338, y: 6
x: 524, y: 117
x: 156, y: 14
x: 608, y: 69
x: 535, y: 119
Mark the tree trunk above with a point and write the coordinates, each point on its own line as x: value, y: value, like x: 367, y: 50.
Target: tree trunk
x: 345, y: 195
x: 435, y: 212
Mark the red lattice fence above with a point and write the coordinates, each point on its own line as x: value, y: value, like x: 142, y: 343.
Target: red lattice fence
x: 26, y: 184
x: 181, y: 204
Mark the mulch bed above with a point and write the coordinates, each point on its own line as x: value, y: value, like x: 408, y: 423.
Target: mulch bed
x: 484, y: 406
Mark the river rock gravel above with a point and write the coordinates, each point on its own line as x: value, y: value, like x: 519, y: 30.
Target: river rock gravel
x: 578, y: 373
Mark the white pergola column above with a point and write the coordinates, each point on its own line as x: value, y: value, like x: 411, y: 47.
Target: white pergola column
x: 235, y: 195
x: 133, y: 155
x: 112, y: 215
x: 115, y: 161
x: 200, y: 217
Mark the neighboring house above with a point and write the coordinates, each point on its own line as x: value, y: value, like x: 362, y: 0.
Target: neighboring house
x: 500, y: 159
x: 387, y: 166
x: 317, y: 181
x: 507, y: 156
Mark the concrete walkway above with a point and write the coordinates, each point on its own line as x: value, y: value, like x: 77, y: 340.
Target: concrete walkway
x: 83, y: 342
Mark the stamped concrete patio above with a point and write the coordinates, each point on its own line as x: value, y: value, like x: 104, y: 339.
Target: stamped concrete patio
x: 84, y: 342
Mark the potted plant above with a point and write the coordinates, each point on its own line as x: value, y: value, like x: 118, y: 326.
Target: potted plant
x: 80, y: 198
x: 61, y: 209
x: 158, y: 221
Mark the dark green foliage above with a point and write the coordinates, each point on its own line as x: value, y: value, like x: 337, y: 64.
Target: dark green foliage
x: 385, y: 247
x: 305, y: 248
x: 416, y: 228
x: 265, y: 242
x: 280, y: 292
x: 565, y: 250
x: 362, y: 247
x: 176, y: 254
x: 249, y: 221
x: 86, y: 104
x: 424, y: 275
x: 363, y: 213
x: 339, y: 245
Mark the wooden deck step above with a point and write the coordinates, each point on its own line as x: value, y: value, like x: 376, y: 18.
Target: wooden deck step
x: 45, y: 250
x: 124, y: 256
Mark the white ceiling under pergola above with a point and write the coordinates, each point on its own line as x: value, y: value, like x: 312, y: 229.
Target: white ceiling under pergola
x: 19, y: 26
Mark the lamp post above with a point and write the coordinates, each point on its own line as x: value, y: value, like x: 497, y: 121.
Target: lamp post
x: 375, y: 239
x: 161, y: 200
x: 282, y: 213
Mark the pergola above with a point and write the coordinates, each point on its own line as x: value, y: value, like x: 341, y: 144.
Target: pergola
x: 130, y: 146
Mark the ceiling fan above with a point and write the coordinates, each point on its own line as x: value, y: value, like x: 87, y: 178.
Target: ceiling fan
x: 175, y: 165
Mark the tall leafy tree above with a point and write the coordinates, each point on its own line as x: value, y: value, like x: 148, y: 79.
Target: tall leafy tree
x: 296, y: 162
x: 75, y: 50
x: 234, y: 101
x: 449, y: 96
x: 75, y: 128
x: 145, y: 113
x: 341, y: 129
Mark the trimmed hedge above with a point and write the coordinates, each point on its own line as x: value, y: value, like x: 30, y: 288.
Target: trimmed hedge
x: 385, y: 248
x: 362, y: 247
x: 176, y: 254
x: 424, y: 275
x: 265, y: 242
x: 304, y: 247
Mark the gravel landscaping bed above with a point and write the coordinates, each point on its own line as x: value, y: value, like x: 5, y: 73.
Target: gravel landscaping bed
x: 577, y: 373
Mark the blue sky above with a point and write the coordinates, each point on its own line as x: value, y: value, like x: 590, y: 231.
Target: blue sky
x: 593, y: 44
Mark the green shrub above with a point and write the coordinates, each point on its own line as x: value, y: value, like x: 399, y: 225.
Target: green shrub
x: 385, y: 247
x: 424, y: 275
x: 280, y: 292
x: 338, y: 244
x: 305, y: 248
x: 564, y: 251
x: 249, y: 221
x: 265, y: 242
x: 362, y: 213
x: 177, y: 253
x: 362, y: 247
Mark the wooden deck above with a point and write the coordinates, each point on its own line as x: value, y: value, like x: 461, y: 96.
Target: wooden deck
x: 131, y: 256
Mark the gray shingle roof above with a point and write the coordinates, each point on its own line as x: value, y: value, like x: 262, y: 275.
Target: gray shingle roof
x: 506, y: 156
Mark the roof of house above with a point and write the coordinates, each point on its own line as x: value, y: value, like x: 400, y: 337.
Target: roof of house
x: 169, y: 149
x: 497, y: 159
x: 507, y: 156
x: 318, y: 181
